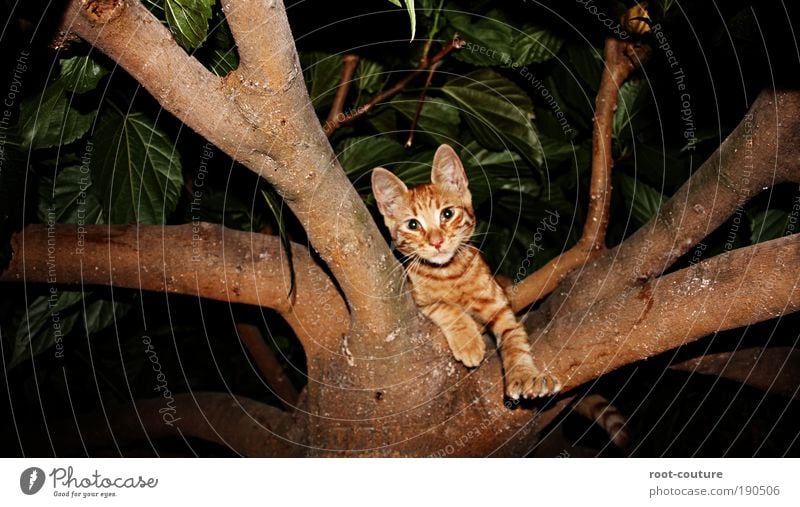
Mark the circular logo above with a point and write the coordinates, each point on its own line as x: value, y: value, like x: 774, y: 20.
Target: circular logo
x: 31, y: 480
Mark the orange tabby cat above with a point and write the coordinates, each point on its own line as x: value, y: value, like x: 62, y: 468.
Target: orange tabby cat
x: 453, y: 286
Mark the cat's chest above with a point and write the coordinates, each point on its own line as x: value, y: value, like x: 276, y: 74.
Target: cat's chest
x: 453, y: 283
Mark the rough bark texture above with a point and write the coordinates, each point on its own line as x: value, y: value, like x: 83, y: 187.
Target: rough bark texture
x: 261, y: 115
x: 382, y: 380
x: 621, y: 58
x: 775, y: 370
x: 208, y: 261
x: 761, y: 152
x: 731, y: 290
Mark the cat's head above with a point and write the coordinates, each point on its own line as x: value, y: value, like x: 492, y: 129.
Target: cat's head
x: 430, y: 221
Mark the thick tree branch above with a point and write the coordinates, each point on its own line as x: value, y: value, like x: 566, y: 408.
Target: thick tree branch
x: 621, y: 58
x: 775, y: 370
x: 760, y: 153
x: 206, y: 260
x: 267, y: 55
x: 271, y: 128
x: 245, y: 426
x: 131, y: 36
x: 731, y: 290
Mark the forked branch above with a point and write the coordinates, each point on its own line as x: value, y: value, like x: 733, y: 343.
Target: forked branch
x: 621, y: 59
x: 261, y: 116
x: 731, y: 290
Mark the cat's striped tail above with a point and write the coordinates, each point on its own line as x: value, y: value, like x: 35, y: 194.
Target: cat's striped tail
x: 597, y: 408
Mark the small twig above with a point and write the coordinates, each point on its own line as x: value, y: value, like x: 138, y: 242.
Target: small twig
x: 621, y: 59
x: 268, y: 364
x: 349, y: 64
x: 420, y: 103
x: 424, y: 65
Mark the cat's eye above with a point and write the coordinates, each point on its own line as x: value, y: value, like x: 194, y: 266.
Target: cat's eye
x: 447, y: 213
x: 412, y: 224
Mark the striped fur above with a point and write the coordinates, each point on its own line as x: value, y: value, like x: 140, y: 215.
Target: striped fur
x: 598, y: 409
x: 431, y: 225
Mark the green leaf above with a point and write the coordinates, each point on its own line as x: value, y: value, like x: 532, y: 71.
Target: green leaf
x: 49, y: 319
x: 223, y: 58
x: 101, y: 313
x: 49, y: 120
x: 491, y: 171
x: 411, y: 14
x: 322, y: 72
x: 71, y: 199
x: 767, y: 225
x: 81, y: 74
x: 370, y: 76
x: 415, y: 169
x: 587, y: 62
x: 643, y: 200
x: 188, y: 20
x: 135, y: 168
x: 439, y: 118
x: 535, y: 44
x: 497, y: 112
x: 491, y: 40
x: 359, y: 155
x: 46, y: 320
x: 631, y: 95
x: 557, y: 151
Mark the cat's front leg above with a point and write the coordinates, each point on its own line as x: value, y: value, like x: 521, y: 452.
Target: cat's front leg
x: 522, y: 378
x: 462, y: 332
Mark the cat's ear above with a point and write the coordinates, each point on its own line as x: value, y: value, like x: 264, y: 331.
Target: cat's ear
x: 388, y: 190
x: 448, y: 171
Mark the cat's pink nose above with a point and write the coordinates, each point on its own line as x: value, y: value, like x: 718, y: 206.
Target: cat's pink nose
x: 437, y: 242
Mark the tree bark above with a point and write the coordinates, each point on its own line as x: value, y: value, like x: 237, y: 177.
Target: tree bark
x: 382, y: 380
x: 761, y: 152
x: 261, y: 115
x: 731, y: 290
x: 205, y: 260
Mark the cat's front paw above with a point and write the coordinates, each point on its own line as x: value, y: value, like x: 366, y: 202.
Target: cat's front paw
x: 523, y: 380
x: 469, y: 351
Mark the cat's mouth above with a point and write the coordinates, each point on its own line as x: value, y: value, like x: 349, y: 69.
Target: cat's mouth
x: 438, y: 257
